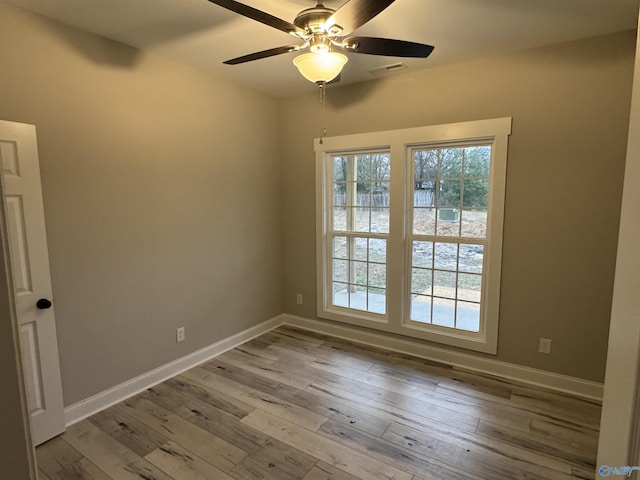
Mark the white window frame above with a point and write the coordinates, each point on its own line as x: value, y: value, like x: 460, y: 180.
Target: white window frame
x: 400, y: 143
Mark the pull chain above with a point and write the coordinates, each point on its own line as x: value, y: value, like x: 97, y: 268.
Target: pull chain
x: 323, y: 98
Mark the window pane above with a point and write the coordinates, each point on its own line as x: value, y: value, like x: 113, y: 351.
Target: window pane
x: 470, y: 258
x: 424, y: 221
x: 340, y: 294
x: 339, y: 218
x: 425, y: 163
x: 360, y: 272
x: 361, y: 249
x: 448, y: 222
x: 446, y: 256
x: 450, y: 162
x: 444, y: 311
x: 476, y: 193
x: 380, y: 194
x: 450, y: 193
x: 363, y: 168
x: 340, y: 271
x: 422, y: 254
x: 377, y: 275
x: 339, y: 194
x: 468, y: 316
x: 380, y: 220
x: 469, y: 287
x: 363, y: 198
x: 444, y: 284
x: 477, y: 161
x: 339, y: 247
x: 421, y: 308
x: 358, y: 298
x: 474, y: 223
x: 380, y: 167
x: 339, y: 169
x: 362, y: 219
x: 423, y: 194
x: 377, y: 250
x: 377, y: 300
x: 422, y: 281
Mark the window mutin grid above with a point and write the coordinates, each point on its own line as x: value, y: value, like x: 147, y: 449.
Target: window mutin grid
x: 448, y: 218
x: 359, y: 226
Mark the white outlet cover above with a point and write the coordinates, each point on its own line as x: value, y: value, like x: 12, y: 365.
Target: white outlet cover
x: 545, y: 346
x: 180, y: 335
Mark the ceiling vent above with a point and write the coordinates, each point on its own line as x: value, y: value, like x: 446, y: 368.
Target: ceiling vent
x: 394, y: 67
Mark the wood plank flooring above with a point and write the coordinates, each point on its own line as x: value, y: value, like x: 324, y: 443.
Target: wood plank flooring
x: 296, y: 405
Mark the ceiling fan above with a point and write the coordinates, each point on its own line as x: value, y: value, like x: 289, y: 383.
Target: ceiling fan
x: 323, y: 31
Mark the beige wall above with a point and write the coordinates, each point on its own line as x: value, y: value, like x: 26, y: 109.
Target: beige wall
x: 570, y: 109
x: 162, y: 198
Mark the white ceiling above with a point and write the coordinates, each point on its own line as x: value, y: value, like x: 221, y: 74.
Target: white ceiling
x: 203, y: 35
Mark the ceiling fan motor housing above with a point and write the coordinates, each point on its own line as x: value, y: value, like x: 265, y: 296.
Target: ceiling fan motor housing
x: 313, y: 20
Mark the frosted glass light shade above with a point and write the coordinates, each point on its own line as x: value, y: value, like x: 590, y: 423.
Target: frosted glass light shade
x: 322, y: 66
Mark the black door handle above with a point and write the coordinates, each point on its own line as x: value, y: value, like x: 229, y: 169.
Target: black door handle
x: 43, y: 304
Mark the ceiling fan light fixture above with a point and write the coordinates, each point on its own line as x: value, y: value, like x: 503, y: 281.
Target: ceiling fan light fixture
x: 320, y: 67
x: 319, y: 48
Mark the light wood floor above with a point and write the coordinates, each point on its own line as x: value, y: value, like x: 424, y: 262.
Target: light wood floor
x: 297, y: 405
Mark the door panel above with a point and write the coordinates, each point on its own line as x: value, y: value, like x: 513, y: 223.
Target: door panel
x: 18, y: 245
x: 31, y: 367
x: 31, y: 278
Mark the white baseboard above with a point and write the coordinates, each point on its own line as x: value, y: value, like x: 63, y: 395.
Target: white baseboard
x: 85, y: 408
x: 531, y: 376
x: 561, y: 383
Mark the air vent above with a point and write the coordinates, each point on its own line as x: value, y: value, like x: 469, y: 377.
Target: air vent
x: 394, y: 67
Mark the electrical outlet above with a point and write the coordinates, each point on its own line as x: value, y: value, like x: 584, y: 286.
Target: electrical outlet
x: 180, y: 335
x: 545, y: 346
x: 299, y: 299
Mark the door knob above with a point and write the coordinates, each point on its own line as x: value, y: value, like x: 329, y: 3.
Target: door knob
x: 43, y: 304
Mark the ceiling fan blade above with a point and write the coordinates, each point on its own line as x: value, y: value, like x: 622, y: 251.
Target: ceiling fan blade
x: 356, y: 13
x: 263, y: 54
x: 386, y: 46
x: 260, y: 16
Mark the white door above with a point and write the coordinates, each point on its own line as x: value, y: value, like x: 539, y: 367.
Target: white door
x: 31, y: 278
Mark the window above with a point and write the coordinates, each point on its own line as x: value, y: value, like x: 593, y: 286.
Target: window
x: 410, y: 230
x: 448, y: 209
x: 359, y: 229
